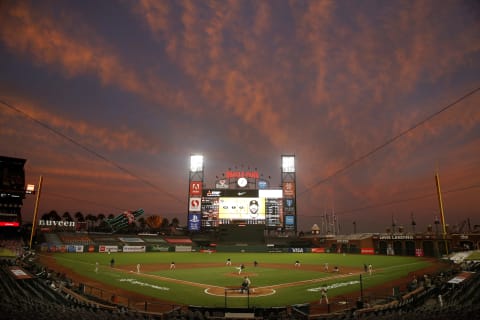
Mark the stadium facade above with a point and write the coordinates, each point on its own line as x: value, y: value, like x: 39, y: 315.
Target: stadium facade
x: 12, y: 191
x: 244, y: 212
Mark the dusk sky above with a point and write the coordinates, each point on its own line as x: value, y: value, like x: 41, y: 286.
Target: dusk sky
x: 107, y: 100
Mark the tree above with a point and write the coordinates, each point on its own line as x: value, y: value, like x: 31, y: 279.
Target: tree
x: 102, y: 224
x: 66, y: 216
x: 165, y: 223
x: 54, y: 215
x: 90, y: 218
x: 154, y: 222
x: 142, y: 223
x: 175, y: 222
x: 79, y: 217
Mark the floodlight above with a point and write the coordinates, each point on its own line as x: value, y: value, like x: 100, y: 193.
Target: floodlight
x: 288, y: 163
x: 196, y: 163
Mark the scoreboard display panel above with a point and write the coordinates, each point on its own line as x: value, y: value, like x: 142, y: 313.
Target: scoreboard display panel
x: 240, y: 208
x: 237, y: 206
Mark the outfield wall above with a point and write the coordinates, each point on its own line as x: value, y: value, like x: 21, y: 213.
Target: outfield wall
x: 240, y: 247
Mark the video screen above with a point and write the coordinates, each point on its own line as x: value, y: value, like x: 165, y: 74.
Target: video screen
x: 242, y: 208
x: 230, y: 206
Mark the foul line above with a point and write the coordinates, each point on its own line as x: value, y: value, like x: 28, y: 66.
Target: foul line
x: 207, y: 287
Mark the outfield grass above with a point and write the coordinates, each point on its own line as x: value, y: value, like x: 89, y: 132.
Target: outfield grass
x: 210, y: 270
x: 474, y: 256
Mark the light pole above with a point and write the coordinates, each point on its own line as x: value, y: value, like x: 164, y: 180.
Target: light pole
x: 35, y: 212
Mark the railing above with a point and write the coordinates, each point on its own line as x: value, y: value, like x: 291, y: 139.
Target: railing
x: 118, y: 300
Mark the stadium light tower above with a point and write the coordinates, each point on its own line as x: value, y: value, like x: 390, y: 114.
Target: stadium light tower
x: 195, y: 183
x: 289, y: 193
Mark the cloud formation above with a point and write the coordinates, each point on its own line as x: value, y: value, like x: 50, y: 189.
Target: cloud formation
x: 247, y: 81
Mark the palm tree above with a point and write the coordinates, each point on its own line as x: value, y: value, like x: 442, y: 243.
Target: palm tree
x: 66, y: 216
x: 165, y: 223
x: 45, y: 216
x: 175, y: 222
x: 90, y: 218
x: 79, y: 216
x: 100, y: 217
x: 132, y: 227
x: 102, y: 224
x: 54, y: 215
x: 142, y: 223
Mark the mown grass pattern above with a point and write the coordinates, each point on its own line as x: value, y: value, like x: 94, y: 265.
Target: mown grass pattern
x: 155, y: 283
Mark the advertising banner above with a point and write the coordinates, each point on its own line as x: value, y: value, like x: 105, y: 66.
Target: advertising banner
x: 289, y: 222
x: 419, y: 252
x: 133, y: 248
x: 367, y: 251
x: 195, y: 204
x: 289, y: 189
x: 195, y: 188
x: 222, y: 184
x: 130, y: 239
x: 194, y: 221
x: 158, y: 248
x: 289, y: 205
x: 75, y: 248
x: 211, y: 193
x: 103, y: 248
x: 183, y: 248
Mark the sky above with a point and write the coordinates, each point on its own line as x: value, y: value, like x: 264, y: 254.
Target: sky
x: 107, y: 100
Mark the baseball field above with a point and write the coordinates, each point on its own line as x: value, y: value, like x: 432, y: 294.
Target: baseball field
x: 204, y: 279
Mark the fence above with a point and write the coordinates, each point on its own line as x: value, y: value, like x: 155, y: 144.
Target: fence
x: 140, y: 305
x: 236, y: 292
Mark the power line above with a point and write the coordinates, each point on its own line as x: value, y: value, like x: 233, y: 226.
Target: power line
x: 52, y: 194
x: 384, y: 204
x: 57, y: 195
x: 91, y: 151
x: 388, y: 142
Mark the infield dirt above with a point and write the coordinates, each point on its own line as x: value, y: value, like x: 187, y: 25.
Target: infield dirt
x: 162, y: 305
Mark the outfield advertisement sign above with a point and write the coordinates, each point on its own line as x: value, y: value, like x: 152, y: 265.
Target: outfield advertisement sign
x: 183, y: 248
x: 367, y: 251
x: 130, y: 239
x: 158, y: 248
x: 300, y: 250
x: 107, y: 248
x: 75, y: 248
x: 134, y: 249
x: 419, y: 252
